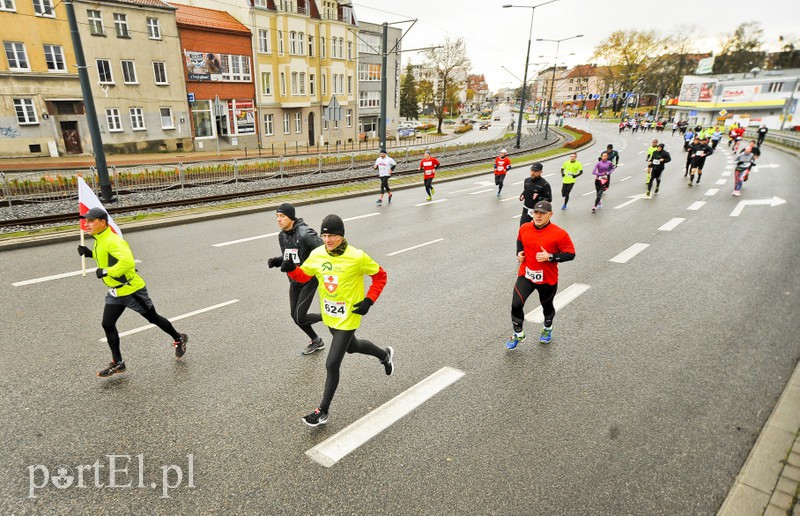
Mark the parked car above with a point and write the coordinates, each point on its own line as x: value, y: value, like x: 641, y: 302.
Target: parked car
x: 497, y: 119
x: 447, y: 121
x: 406, y: 132
x: 484, y: 125
x: 406, y: 125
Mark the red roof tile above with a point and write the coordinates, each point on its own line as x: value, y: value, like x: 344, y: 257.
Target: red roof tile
x: 148, y: 3
x: 190, y: 16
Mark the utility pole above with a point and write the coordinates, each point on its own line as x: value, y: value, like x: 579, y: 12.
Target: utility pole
x: 106, y: 193
x: 384, y: 95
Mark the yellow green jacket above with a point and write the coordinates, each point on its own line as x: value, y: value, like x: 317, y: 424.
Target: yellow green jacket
x: 114, y: 254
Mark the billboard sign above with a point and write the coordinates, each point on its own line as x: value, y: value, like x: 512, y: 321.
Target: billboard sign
x: 203, y: 66
x: 740, y: 93
x: 705, y: 66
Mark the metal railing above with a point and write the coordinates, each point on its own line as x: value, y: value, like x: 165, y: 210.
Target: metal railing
x: 786, y: 138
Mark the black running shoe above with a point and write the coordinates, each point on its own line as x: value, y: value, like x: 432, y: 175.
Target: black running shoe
x: 112, y: 369
x: 315, y: 345
x: 387, y: 362
x: 316, y: 418
x: 180, y: 345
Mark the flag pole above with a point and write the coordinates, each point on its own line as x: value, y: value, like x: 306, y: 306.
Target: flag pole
x: 83, y: 258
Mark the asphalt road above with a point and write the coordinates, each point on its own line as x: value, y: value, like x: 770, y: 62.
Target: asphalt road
x: 648, y: 401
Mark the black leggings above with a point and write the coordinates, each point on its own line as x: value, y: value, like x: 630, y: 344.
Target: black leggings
x: 385, y: 185
x: 655, y: 176
x: 300, y: 297
x: 498, y: 180
x: 599, y: 187
x: 344, y: 341
x: 523, y: 288
x: 428, y: 185
x: 112, y: 313
x: 566, y: 188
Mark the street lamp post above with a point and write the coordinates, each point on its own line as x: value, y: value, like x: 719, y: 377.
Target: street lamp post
x: 553, y: 83
x: 525, y: 75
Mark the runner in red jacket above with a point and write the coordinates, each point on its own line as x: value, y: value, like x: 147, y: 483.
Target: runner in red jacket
x: 501, y: 165
x: 428, y: 166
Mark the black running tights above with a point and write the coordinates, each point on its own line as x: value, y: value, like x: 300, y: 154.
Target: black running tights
x: 111, y: 313
x: 344, y: 341
x: 523, y: 288
x: 385, y: 185
x: 428, y: 185
x: 300, y: 297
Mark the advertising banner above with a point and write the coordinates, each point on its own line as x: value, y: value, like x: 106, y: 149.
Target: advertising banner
x: 705, y: 66
x: 203, y: 66
x: 740, y: 93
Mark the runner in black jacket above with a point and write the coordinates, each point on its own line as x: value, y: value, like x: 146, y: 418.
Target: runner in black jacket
x: 658, y: 159
x: 297, y: 240
x: 535, y: 189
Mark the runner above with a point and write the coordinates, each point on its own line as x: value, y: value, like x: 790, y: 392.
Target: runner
x: 762, y: 134
x: 570, y: 170
x: 658, y: 159
x: 650, y: 151
x: 738, y: 134
x: 602, y: 171
x: 501, y: 166
x: 535, y: 189
x: 340, y: 269
x: 126, y: 289
x: 428, y: 165
x: 613, y: 157
x: 745, y: 161
x: 385, y: 166
x: 541, y: 245
x: 297, y: 240
x: 716, y: 137
x: 689, y: 154
x: 699, y: 154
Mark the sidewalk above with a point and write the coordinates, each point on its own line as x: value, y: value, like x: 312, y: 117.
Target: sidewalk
x: 769, y: 482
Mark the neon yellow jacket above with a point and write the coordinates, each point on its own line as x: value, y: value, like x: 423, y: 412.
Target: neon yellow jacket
x: 114, y: 254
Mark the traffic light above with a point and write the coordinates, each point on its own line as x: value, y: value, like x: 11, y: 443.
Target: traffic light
x: 608, y: 95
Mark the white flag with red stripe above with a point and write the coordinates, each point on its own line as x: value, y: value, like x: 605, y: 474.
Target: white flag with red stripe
x: 88, y: 200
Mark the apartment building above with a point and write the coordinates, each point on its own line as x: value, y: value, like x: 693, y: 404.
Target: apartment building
x: 370, y: 38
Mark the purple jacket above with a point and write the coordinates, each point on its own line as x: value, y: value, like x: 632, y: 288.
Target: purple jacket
x: 603, y: 168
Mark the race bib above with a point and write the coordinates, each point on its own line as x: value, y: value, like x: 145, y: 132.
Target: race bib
x: 534, y: 276
x: 112, y: 292
x: 700, y: 154
x: 336, y: 309
x: 291, y: 254
x: 656, y: 162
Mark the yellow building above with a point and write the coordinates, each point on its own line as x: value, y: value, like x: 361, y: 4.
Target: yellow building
x: 41, y: 107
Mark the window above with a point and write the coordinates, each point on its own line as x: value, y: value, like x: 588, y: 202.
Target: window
x: 335, y: 124
x: 324, y: 84
x: 775, y: 87
x: 121, y: 25
x: 294, y: 83
x: 44, y: 8
x: 236, y: 68
x: 341, y: 83
x: 129, y: 72
x: 286, y: 126
x: 292, y: 42
x: 137, y: 119
x: 369, y: 72
x: 302, y: 83
x: 260, y: 3
x: 153, y: 28
x: 322, y: 47
x: 280, y: 42
x: 263, y: 41
x: 324, y: 124
x: 369, y: 43
x: 311, y: 85
x: 26, y: 112
x: 283, y: 84
x: 301, y: 43
x: 266, y: 83
x: 166, y: 118
x: 104, y: 71
x: 349, y: 84
x: 113, y: 120
x: 334, y: 83
x: 298, y: 123
x: 7, y: 5
x: 16, y: 55
x: 349, y: 118
x: 310, y: 46
x: 269, y: 128
x: 160, y: 72
x: 54, y: 56
x: 95, y: 22
x: 341, y: 48
x: 369, y: 99
x: 349, y: 50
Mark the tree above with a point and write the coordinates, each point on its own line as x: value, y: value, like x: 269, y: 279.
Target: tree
x: 788, y: 56
x: 444, y: 62
x: 425, y: 93
x: 408, y: 95
x: 741, y: 51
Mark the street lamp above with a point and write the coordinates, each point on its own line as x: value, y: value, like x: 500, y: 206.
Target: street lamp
x: 552, y: 84
x: 525, y: 75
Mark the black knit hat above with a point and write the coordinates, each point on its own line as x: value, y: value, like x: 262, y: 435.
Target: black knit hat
x: 287, y: 209
x: 332, y: 225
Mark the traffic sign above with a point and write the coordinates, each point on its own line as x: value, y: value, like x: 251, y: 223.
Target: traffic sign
x: 693, y: 112
x: 333, y: 111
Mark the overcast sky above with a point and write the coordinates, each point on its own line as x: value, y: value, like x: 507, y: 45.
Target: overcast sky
x: 498, y: 37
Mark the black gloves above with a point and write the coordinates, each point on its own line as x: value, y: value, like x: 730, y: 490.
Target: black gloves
x: 363, y: 307
x: 84, y: 251
x: 275, y: 262
x: 101, y: 273
x: 288, y: 266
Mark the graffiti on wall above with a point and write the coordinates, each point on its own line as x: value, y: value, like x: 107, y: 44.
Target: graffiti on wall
x: 9, y: 132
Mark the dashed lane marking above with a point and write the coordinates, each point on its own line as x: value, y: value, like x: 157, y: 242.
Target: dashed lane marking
x: 561, y: 300
x: 361, y: 216
x: 430, y: 202
x: 243, y: 240
x: 625, y: 179
x: 55, y: 277
x: 672, y: 224
x: 629, y: 253
x: 336, y: 447
x: 589, y: 193
x: 482, y: 191
x: 510, y: 198
x: 712, y: 191
x: 720, y: 182
x: 176, y: 318
x: 415, y: 247
x: 696, y: 205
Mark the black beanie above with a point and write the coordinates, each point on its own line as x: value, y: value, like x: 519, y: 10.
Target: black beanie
x: 332, y: 225
x: 287, y: 209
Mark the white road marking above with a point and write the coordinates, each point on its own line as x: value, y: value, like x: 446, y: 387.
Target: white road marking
x: 641, y: 152
x: 712, y: 191
x: 633, y: 198
x: 775, y: 201
x: 176, y: 318
x: 243, y: 240
x: 415, y: 247
x: 361, y: 216
x: 518, y: 183
x: 561, y: 300
x: 720, y: 182
x: 518, y: 216
x: 727, y: 173
x: 696, y: 205
x: 56, y: 276
x: 482, y: 191
x: 625, y: 179
x: 430, y: 202
x: 589, y: 193
x: 629, y: 253
x: 672, y: 224
x: 516, y: 197
x: 473, y: 188
x: 336, y: 447
x: 549, y: 175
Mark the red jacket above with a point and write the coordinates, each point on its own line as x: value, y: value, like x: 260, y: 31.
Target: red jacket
x: 428, y: 165
x: 501, y: 165
x: 553, y: 239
